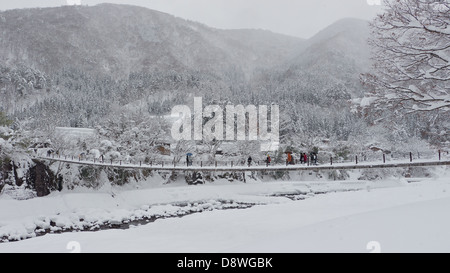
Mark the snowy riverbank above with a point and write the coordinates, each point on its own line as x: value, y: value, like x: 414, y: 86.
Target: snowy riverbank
x: 400, y: 216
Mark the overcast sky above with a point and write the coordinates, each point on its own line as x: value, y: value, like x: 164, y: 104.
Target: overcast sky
x: 301, y: 18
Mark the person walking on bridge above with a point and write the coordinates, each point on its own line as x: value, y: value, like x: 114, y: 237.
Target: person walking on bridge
x: 189, y: 159
x: 249, y: 160
x: 289, y: 159
x: 268, y: 159
x: 314, y: 158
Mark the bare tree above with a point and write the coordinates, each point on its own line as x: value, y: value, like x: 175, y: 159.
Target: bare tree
x: 411, y: 42
x: 180, y: 150
x: 211, y: 148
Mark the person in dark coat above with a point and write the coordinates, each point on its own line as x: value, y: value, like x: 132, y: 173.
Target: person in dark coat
x: 249, y: 160
x: 268, y: 159
x: 313, y: 158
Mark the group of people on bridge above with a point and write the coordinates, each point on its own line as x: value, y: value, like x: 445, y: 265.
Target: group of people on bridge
x: 304, y: 158
x: 250, y: 159
x: 290, y: 160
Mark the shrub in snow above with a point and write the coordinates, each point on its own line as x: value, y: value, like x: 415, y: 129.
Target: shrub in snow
x: 95, y: 153
x: 90, y: 175
x: 379, y: 174
x: 113, y: 155
x: 338, y: 175
x: 18, y: 193
x: 106, y: 145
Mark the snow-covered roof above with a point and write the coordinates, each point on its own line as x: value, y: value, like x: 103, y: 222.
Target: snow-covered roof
x: 75, y: 133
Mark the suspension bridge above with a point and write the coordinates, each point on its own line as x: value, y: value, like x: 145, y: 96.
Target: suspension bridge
x: 229, y: 167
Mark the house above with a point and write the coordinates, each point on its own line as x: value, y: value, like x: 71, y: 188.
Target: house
x: 69, y: 133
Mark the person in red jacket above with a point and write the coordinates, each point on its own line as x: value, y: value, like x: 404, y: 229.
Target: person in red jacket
x: 268, y: 160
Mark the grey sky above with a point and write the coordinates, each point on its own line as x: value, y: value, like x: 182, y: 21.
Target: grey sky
x: 302, y: 18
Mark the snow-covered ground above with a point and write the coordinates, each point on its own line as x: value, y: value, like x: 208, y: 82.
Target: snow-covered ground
x: 391, y: 215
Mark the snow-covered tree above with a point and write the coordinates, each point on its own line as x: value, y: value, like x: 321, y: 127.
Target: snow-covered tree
x: 180, y: 150
x: 4, y: 121
x: 411, y: 42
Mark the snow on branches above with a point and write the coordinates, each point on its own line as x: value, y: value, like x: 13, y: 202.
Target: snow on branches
x: 411, y: 42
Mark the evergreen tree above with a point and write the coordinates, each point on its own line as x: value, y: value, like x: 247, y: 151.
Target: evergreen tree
x: 4, y: 120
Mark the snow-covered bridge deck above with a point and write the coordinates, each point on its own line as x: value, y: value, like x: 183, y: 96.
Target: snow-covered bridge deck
x: 324, y: 167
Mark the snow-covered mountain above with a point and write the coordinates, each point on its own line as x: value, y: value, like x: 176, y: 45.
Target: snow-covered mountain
x: 337, y: 55
x: 120, y: 39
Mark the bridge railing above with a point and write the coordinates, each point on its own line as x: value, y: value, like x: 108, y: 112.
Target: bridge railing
x: 322, y: 160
